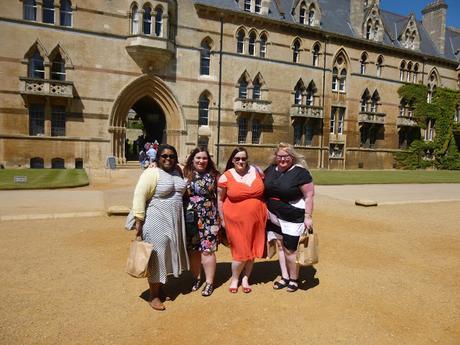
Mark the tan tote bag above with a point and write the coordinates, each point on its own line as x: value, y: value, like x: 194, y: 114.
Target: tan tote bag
x: 307, y: 249
x: 138, y: 258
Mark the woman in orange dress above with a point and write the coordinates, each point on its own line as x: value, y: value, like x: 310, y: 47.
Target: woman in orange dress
x: 244, y: 215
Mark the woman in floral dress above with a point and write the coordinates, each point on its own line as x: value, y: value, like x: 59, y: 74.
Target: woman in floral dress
x: 202, y: 219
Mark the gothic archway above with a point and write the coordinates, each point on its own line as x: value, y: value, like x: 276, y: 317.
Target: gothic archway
x: 143, y: 90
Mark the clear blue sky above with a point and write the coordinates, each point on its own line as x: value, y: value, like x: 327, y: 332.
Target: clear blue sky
x: 404, y: 7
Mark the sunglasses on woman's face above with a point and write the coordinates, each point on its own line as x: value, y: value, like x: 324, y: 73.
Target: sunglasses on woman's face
x: 172, y: 156
x: 243, y: 159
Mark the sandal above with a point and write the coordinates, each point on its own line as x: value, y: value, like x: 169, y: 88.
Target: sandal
x: 197, y: 285
x: 207, y: 290
x: 293, y: 285
x: 281, y: 284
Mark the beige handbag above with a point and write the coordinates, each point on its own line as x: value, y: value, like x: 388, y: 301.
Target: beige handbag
x: 307, y: 249
x: 138, y: 258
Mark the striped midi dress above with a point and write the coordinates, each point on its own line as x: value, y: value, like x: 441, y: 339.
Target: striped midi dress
x: 164, y: 227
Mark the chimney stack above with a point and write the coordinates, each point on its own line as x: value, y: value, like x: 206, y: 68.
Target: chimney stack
x: 434, y: 21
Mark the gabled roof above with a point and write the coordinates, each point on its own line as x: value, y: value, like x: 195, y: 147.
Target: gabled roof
x: 335, y: 18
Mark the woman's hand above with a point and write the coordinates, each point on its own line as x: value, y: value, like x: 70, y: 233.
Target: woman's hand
x: 308, y: 222
x: 139, y: 224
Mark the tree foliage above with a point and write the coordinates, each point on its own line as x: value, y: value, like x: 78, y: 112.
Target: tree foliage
x: 442, y: 152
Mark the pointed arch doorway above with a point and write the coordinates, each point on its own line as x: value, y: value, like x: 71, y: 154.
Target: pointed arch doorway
x: 155, y: 105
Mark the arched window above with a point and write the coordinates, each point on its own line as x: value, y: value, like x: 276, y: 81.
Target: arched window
x: 402, y: 70
x: 311, y: 16
x: 409, y: 71
x: 36, y: 68
x: 298, y: 91
x: 363, y: 63
x: 415, y: 73
x: 296, y: 51
x: 335, y: 77
x: 311, y: 91
x: 302, y: 13
x: 369, y: 29
x: 243, y: 89
x: 258, y: 6
x: 402, y: 107
x: 315, y: 54
x: 57, y: 163
x: 240, y: 42
x: 30, y: 10
x: 256, y: 89
x: 147, y: 21
x: 66, y: 13
x: 205, y: 59
x: 37, y: 163
x: 48, y: 11
x: 375, y: 100
x: 379, y: 66
x: 58, y: 68
x: 343, y: 80
x: 203, y: 111
x: 263, y: 46
x: 159, y: 22
x: 364, y: 101
x: 252, y: 44
x: 135, y: 20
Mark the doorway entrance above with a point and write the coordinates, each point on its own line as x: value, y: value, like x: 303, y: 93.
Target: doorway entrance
x: 149, y: 101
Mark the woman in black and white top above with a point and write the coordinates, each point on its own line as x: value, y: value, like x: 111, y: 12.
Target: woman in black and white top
x: 289, y: 193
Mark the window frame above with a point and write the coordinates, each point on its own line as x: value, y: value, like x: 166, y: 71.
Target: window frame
x: 58, y: 121
x: 48, y: 12
x: 36, y: 119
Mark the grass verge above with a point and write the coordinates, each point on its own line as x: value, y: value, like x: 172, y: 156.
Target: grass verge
x: 339, y: 177
x: 43, y: 178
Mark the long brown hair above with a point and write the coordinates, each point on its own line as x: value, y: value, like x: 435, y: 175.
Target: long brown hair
x: 234, y: 152
x: 189, y: 169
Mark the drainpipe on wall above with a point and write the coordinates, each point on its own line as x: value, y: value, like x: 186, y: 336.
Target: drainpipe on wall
x: 220, y: 89
x: 321, y: 154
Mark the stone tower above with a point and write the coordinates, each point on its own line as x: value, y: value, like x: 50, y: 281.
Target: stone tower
x: 434, y: 21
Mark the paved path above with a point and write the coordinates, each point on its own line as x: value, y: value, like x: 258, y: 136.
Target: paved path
x: 393, y: 193
x: 71, y: 203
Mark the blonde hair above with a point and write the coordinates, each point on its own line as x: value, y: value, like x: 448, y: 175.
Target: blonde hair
x: 297, y: 158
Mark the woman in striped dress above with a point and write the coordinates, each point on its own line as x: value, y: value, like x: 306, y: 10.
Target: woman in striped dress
x: 159, y: 215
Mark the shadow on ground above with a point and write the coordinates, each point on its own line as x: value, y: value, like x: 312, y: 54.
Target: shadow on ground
x: 263, y: 273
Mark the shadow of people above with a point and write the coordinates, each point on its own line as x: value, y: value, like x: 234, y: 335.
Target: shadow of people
x: 268, y: 271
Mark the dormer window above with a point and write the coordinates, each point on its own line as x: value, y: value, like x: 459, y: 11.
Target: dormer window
x: 311, y: 16
x: 247, y: 5
x: 258, y: 6
x: 302, y: 13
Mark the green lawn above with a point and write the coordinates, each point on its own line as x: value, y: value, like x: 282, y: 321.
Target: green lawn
x: 43, y: 178
x: 337, y: 177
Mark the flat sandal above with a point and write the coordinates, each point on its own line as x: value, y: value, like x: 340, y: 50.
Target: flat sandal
x: 281, y: 284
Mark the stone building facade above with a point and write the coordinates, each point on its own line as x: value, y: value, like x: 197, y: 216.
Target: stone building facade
x: 321, y: 74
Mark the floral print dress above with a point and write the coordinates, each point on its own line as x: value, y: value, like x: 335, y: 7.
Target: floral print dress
x: 202, y: 197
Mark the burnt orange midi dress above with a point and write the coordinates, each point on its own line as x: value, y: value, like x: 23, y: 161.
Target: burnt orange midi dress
x: 245, y: 215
